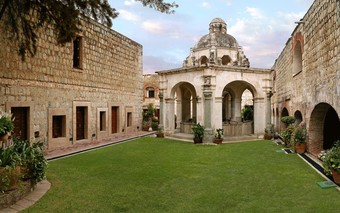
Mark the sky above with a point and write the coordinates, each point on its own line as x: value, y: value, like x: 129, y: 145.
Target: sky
x: 261, y: 27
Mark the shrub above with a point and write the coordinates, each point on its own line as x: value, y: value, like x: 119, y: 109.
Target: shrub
x: 331, y: 160
x: 288, y: 120
x: 6, y: 123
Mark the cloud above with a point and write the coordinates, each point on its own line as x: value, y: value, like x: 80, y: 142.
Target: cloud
x: 255, y: 12
x: 129, y: 2
x: 288, y: 19
x: 129, y: 16
x: 153, y: 26
x: 155, y: 63
x: 206, y: 5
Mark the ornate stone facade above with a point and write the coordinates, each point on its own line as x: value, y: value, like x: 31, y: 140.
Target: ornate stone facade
x: 89, y: 89
x: 307, y: 76
x: 208, y: 88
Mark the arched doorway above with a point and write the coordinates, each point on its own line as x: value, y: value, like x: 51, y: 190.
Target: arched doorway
x: 323, y: 128
x: 185, y: 106
x: 238, y: 98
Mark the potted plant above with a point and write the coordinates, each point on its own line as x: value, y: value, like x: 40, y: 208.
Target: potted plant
x: 331, y: 162
x: 6, y: 125
x: 287, y: 134
x: 198, y: 131
x: 218, y: 136
x: 268, y: 133
x: 299, y: 140
x: 160, y: 133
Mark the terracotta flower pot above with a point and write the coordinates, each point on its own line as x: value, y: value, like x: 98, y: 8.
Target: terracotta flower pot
x: 300, y: 148
x: 218, y: 140
x: 336, y: 176
x: 4, y: 137
x: 198, y: 140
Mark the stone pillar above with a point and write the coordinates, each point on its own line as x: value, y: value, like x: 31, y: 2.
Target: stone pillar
x: 169, y: 118
x: 208, y: 136
x: 161, y: 110
x: 237, y: 110
x: 179, y: 119
x: 268, y: 111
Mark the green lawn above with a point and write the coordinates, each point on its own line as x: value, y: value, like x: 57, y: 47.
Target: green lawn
x: 160, y: 175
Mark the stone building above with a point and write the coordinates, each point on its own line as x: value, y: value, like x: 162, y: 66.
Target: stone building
x: 208, y: 88
x: 306, y: 76
x: 89, y: 89
x: 151, y: 92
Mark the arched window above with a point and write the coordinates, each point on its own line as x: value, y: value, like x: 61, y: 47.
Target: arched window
x: 203, y: 60
x: 150, y: 92
x: 297, y: 53
x: 226, y: 60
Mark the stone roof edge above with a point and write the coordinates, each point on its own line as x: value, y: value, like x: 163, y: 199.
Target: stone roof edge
x: 220, y: 68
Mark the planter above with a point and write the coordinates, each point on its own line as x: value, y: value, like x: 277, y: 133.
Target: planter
x: 300, y: 148
x: 267, y: 136
x: 160, y: 135
x: 218, y: 140
x: 145, y: 128
x: 336, y: 176
x: 198, y: 140
x: 4, y: 137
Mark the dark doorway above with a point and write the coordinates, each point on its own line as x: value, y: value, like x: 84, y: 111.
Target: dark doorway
x: 331, y: 129
x: 80, y: 124
x: 21, y: 119
x: 114, y: 119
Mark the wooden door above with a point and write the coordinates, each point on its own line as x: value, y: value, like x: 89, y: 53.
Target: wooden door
x: 80, y: 123
x: 21, y: 118
x: 114, y: 119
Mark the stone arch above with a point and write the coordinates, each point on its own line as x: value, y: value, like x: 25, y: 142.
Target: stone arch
x: 185, y: 103
x: 232, y: 106
x: 297, y: 58
x: 203, y: 60
x: 226, y: 60
x: 284, y: 113
x: 298, y: 117
x: 323, y: 129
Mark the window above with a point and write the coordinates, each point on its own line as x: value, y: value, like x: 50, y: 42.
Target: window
x: 58, y: 126
x: 204, y: 60
x: 102, y: 121
x: 77, y: 52
x: 297, y: 53
x: 150, y: 92
x: 226, y: 60
x: 129, y: 119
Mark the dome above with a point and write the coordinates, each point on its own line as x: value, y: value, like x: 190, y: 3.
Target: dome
x: 217, y: 36
x: 217, y: 40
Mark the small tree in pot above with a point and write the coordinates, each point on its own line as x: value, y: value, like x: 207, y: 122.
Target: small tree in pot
x: 218, y: 136
x: 198, y: 131
x: 299, y: 140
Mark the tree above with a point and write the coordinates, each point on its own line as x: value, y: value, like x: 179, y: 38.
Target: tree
x: 22, y: 19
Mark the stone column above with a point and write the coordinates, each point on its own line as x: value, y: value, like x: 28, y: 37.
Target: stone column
x: 268, y: 111
x: 169, y: 122
x: 208, y: 136
x: 237, y: 112
x: 161, y: 110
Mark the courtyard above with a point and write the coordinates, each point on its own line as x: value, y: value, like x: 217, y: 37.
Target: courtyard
x: 163, y: 175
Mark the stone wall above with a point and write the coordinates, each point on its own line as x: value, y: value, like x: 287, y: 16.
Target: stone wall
x: 49, y: 85
x: 318, y: 82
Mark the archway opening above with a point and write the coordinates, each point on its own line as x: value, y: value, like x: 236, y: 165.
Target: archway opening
x: 185, y: 106
x: 284, y: 113
x: 298, y: 117
x: 238, y: 108
x: 323, y: 129
x: 203, y: 60
x: 226, y: 60
x: 297, y: 58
